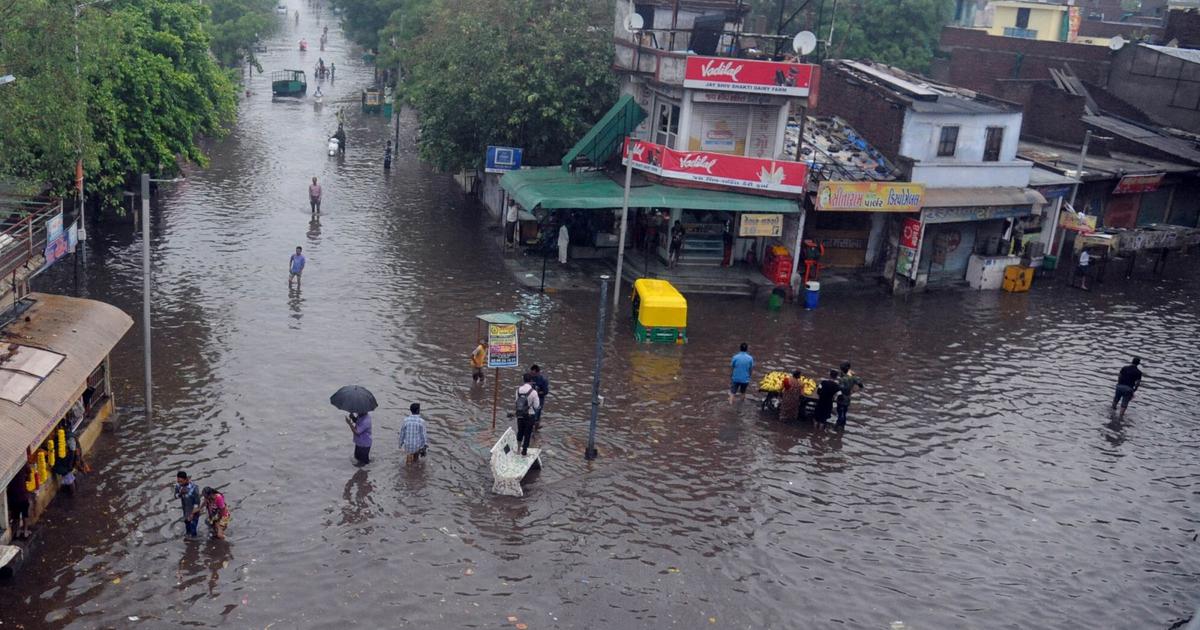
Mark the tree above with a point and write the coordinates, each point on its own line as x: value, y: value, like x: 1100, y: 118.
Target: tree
x: 527, y: 73
x: 902, y: 33
x: 237, y: 25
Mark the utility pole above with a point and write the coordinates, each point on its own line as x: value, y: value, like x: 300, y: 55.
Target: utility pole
x: 590, y: 453
x: 146, y: 293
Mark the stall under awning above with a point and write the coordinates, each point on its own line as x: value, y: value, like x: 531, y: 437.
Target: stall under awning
x: 551, y: 188
x: 66, y: 339
x: 969, y: 197
x: 607, y: 136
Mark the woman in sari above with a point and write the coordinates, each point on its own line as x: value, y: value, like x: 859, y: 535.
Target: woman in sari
x: 218, y: 513
x: 789, y: 401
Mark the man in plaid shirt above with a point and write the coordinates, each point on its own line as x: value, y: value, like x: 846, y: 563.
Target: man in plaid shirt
x: 412, y: 435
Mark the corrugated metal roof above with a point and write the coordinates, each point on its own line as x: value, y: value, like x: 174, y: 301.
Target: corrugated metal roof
x: 1190, y: 55
x: 1151, y: 138
x: 994, y: 196
x: 83, y: 331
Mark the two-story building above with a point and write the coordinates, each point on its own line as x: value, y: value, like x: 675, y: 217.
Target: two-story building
x: 961, y: 146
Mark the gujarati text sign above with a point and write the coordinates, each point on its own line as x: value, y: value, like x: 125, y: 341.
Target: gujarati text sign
x: 1131, y: 184
x: 718, y: 168
x: 502, y: 345
x: 870, y: 197
x: 746, y: 75
x: 761, y: 225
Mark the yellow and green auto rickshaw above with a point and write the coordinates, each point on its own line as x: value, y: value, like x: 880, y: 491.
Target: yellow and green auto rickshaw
x: 659, y: 312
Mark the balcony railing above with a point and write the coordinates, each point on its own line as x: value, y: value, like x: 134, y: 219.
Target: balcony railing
x: 23, y: 231
x: 1023, y: 33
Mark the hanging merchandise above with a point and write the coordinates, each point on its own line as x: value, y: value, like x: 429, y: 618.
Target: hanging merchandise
x: 31, y: 480
x: 43, y: 469
x: 50, y: 453
x: 62, y: 443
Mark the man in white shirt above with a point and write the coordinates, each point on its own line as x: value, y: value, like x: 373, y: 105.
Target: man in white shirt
x: 527, y: 405
x: 510, y: 222
x: 1081, y: 269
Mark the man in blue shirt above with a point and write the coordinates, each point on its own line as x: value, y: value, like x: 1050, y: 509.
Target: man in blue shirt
x: 189, y: 499
x: 743, y: 365
x: 413, y: 437
x: 296, y: 267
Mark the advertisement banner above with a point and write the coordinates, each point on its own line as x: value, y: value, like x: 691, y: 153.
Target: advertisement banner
x: 1074, y: 19
x: 502, y: 345
x: 869, y: 197
x: 910, y: 240
x: 745, y: 75
x: 761, y: 225
x: 910, y: 233
x: 718, y: 169
x: 1077, y: 221
x: 1131, y: 184
x: 502, y: 159
x: 56, y: 239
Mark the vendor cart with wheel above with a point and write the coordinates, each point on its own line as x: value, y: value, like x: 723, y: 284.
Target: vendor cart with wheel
x: 771, y: 386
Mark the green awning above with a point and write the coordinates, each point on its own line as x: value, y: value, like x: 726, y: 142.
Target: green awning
x: 551, y: 188
x: 605, y: 138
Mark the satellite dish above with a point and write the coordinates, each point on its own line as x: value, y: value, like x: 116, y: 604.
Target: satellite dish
x: 634, y: 22
x: 1116, y: 43
x: 804, y: 42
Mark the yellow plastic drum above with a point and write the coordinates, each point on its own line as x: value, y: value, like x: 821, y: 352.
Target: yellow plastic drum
x: 659, y: 312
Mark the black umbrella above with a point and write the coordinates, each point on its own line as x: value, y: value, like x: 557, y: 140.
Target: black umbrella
x: 354, y: 399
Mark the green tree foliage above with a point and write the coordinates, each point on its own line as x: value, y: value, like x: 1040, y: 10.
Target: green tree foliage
x: 148, y: 89
x: 529, y: 73
x: 902, y: 33
x: 237, y: 25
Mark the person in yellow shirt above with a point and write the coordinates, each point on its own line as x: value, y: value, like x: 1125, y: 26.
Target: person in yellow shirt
x: 478, y: 360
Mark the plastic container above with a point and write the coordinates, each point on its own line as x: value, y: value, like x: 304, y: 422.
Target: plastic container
x: 775, y: 302
x: 812, y: 294
x: 1049, y: 263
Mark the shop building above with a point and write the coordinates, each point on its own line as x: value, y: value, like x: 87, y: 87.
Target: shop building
x: 55, y: 388
x: 960, y: 146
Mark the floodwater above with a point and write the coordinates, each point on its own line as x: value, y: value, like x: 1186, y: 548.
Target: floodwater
x: 980, y: 483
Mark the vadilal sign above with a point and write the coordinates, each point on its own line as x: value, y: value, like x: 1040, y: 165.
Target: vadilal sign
x: 760, y: 225
x: 870, y: 197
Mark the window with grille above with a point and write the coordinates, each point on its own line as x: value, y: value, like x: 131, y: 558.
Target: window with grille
x: 991, y: 144
x: 948, y: 141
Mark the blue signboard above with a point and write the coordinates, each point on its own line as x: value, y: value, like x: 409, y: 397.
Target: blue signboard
x: 502, y: 159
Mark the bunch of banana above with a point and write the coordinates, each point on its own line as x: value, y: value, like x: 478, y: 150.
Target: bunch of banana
x: 772, y: 382
x: 808, y: 386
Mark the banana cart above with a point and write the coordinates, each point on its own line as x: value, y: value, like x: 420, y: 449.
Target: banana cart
x: 771, y: 386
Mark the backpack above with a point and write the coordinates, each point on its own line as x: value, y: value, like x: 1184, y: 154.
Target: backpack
x: 523, y: 403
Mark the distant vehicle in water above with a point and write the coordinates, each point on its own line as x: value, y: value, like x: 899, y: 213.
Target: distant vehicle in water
x: 281, y: 9
x: 288, y: 83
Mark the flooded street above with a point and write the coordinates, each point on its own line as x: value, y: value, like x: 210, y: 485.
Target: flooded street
x: 980, y: 482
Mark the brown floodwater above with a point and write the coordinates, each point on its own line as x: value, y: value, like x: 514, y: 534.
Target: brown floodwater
x: 980, y: 483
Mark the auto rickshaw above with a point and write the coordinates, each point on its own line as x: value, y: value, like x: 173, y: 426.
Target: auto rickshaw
x: 659, y: 312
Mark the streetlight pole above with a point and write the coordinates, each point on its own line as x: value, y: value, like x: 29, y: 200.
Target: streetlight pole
x: 146, y: 288
x: 624, y: 222
x: 146, y: 293
x: 590, y: 453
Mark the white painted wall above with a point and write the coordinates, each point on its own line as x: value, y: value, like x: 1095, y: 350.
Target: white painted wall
x: 966, y: 168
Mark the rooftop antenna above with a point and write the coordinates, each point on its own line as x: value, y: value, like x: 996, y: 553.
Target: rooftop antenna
x: 1116, y: 43
x: 634, y: 23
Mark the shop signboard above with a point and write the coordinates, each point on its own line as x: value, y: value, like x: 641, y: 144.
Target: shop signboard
x: 502, y: 345
x: 1074, y: 19
x: 910, y: 239
x: 760, y: 225
x: 974, y: 213
x: 719, y: 169
x: 1076, y: 221
x: 502, y: 160
x: 56, y: 239
x: 1132, y: 184
x: 747, y: 75
x: 833, y: 196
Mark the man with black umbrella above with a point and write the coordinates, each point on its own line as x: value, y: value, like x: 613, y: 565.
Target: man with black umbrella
x: 360, y: 425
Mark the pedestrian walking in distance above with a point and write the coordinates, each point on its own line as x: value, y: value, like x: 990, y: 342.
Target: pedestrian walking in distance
x: 527, y: 405
x: 413, y: 438
x: 360, y: 425
x: 296, y: 267
x: 542, y: 385
x: 847, y: 381
x: 1081, y: 269
x: 827, y: 392
x: 387, y: 157
x: 1128, y: 382
x: 189, y: 501
x: 741, y: 366
x: 478, y: 360
x: 314, y: 196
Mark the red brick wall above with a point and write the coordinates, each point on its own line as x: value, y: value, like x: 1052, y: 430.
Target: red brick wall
x: 978, y: 60
x: 877, y: 118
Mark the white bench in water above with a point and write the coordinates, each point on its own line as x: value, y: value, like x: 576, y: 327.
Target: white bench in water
x: 509, y: 467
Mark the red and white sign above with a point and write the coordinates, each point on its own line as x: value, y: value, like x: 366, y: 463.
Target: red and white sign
x: 910, y: 233
x: 748, y: 75
x: 718, y: 168
x: 1131, y: 184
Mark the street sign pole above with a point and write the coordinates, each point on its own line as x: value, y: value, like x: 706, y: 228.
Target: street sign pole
x: 146, y: 291
x: 590, y: 453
